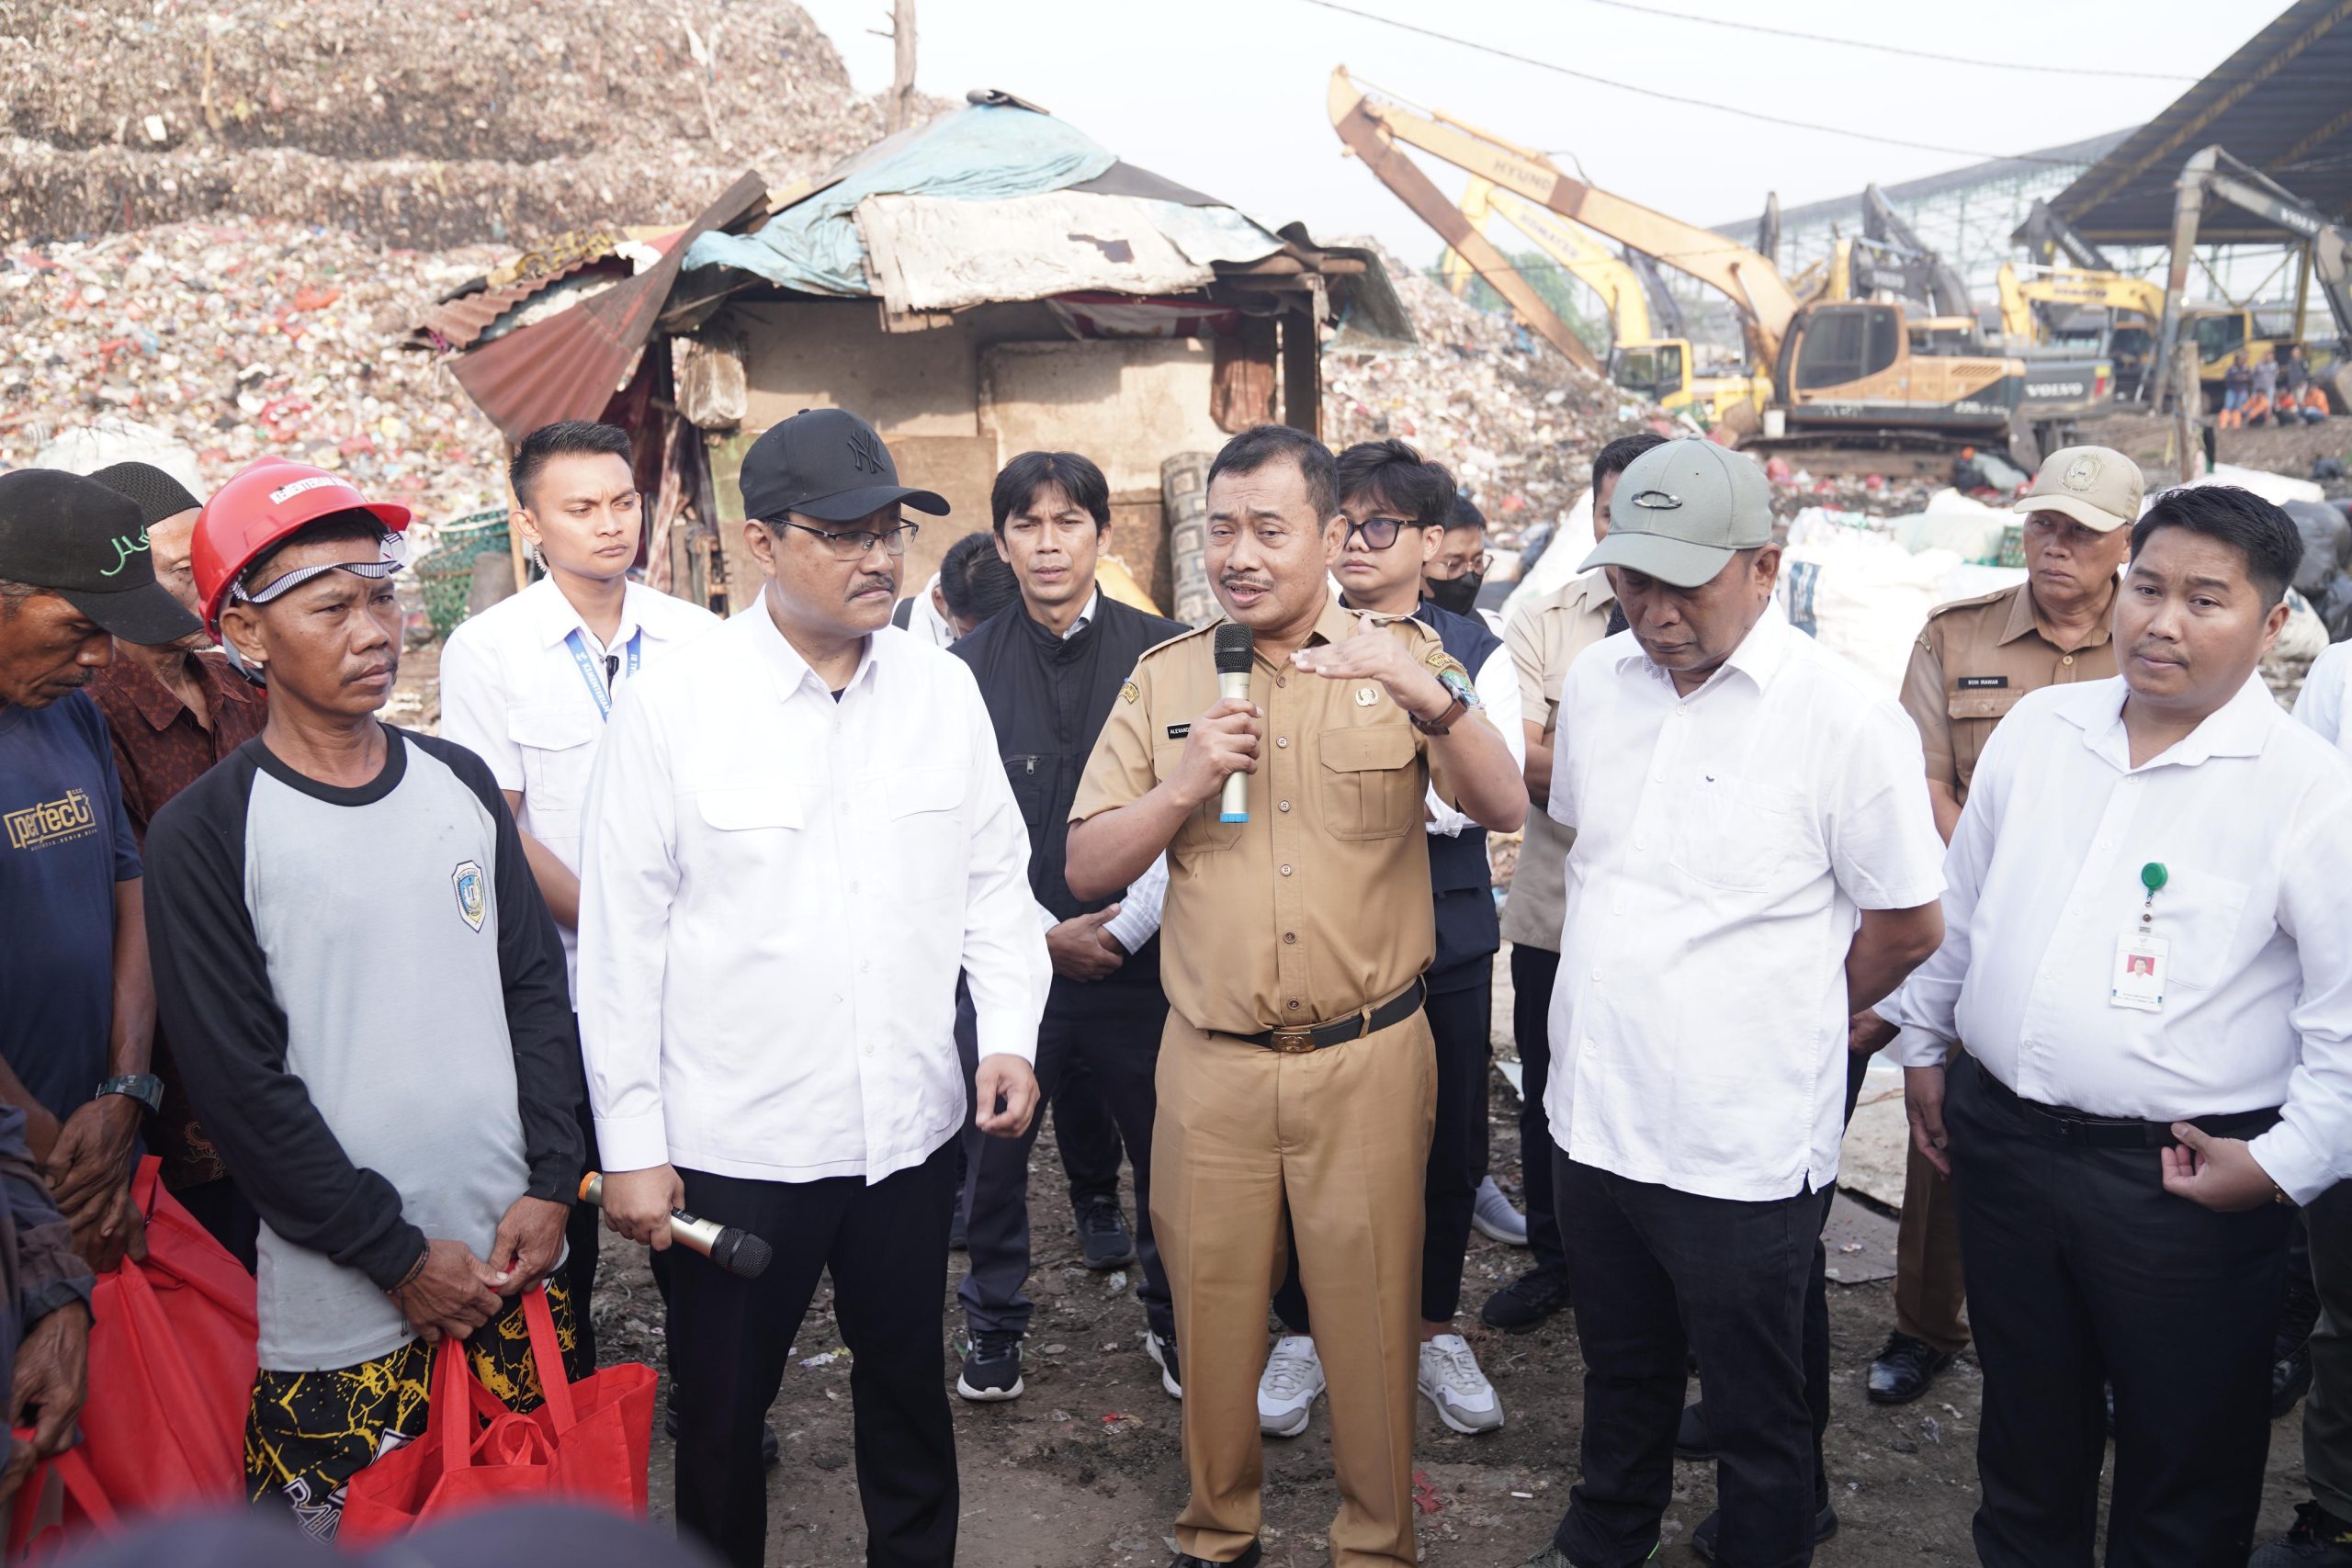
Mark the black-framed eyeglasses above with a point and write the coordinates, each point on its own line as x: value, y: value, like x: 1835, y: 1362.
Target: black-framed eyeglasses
x: 1377, y: 533
x: 856, y: 544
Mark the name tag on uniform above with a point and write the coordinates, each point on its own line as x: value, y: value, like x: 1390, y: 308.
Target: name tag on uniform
x: 2139, y: 981
x: 1179, y: 732
x: 1984, y: 682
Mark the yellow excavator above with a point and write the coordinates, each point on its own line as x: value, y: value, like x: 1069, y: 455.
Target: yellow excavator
x: 1843, y: 374
x: 1660, y: 368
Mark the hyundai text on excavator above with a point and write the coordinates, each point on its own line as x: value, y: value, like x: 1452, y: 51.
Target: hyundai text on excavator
x: 1663, y: 368
x: 1843, y: 377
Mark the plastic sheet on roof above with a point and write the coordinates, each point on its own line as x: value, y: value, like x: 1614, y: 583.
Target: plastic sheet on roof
x: 980, y: 152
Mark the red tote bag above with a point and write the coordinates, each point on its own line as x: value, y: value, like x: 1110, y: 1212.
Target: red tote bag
x: 38, y: 1534
x: 602, y: 1426
x: 456, y: 1466
x: 171, y: 1365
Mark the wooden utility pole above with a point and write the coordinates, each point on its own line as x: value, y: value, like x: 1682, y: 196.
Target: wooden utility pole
x: 898, y: 109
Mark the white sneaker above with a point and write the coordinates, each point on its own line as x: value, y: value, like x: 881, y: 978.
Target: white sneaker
x: 1450, y: 1379
x: 1286, y: 1393
x: 1496, y: 1219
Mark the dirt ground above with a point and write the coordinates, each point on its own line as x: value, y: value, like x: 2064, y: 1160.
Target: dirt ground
x: 1084, y: 1470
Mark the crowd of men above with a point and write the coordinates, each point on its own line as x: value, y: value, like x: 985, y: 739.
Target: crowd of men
x: 800, y: 919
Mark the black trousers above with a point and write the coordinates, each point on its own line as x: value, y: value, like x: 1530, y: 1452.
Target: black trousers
x: 584, y: 1235
x: 2083, y: 1270
x: 1115, y: 1030
x: 1660, y: 1274
x: 1086, y: 1134
x: 885, y: 1247
x: 1460, y: 1018
x: 1533, y: 970
x: 2327, y: 1414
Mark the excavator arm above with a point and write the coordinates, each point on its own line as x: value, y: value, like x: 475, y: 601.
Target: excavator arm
x: 2046, y: 237
x: 1934, y: 281
x: 1374, y: 129
x: 2213, y: 173
x: 1582, y: 258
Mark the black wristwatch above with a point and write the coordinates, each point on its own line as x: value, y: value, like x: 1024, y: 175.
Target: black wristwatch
x: 144, y: 1087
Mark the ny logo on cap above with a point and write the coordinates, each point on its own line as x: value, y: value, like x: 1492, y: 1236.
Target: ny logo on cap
x: 1657, y: 501
x: 865, y: 451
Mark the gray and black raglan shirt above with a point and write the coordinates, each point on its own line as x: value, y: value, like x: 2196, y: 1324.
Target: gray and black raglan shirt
x: 366, y: 995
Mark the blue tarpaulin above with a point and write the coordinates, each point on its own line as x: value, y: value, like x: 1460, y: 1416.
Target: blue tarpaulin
x: 980, y: 152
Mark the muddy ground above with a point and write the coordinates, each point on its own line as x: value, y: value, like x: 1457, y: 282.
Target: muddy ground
x: 1084, y: 1470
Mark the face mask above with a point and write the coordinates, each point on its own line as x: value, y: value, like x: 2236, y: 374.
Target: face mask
x: 1459, y: 594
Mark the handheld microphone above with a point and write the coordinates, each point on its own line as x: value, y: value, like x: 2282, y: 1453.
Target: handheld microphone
x: 1234, y: 642
x: 739, y: 1252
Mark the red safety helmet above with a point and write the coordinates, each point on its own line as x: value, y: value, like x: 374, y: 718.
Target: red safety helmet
x: 264, y: 501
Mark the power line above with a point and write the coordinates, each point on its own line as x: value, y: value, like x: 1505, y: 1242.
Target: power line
x: 2074, y: 71
x: 1559, y: 70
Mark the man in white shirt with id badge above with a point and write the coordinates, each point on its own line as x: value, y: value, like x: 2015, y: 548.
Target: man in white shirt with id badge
x: 527, y: 684
x: 2149, y: 952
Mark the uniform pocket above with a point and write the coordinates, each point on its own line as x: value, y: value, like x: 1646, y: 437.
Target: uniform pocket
x: 558, y: 745
x: 1370, y: 788
x: 1742, y: 835
x: 1973, y: 715
x: 1030, y: 777
x: 2198, y: 915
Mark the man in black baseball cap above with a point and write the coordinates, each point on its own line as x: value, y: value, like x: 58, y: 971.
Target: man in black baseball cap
x: 74, y: 1041
x: 829, y: 466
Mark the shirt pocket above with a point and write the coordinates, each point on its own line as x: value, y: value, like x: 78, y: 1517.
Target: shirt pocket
x: 1742, y: 835
x: 1371, y: 787
x: 557, y: 741
x: 1973, y: 715
x: 927, y: 830
x: 1031, y: 778
x: 749, y: 809
x: 2197, y: 915
x: 1199, y: 832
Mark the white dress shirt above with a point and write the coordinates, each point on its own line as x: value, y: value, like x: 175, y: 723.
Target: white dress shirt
x: 1727, y: 843
x: 2250, y: 817
x: 923, y: 621
x: 2320, y: 704
x: 513, y: 693
x: 780, y: 891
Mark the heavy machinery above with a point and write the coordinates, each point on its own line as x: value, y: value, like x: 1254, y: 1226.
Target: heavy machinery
x: 1660, y: 368
x: 2327, y: 258
x: 1842, y: 375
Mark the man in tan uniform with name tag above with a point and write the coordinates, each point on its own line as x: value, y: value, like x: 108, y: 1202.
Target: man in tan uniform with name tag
x: 1975, y: 658
x: 1296, y: 1071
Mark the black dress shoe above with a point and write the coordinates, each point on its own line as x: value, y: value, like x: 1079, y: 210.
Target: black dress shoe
x: 1527, y: 1302
x: 2318, y: 1540
x: 1690, y: 1439
x: 1904, y: 1369
x: 2291, y: 1378
x: 1703, y: 1540
x: 1249, y: 1559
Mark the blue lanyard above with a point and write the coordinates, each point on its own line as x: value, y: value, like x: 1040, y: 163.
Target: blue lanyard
x: 592, y: 675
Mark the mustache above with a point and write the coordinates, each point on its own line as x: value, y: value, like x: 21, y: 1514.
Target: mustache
x: 1244, y: 579
x: 2156, y: 648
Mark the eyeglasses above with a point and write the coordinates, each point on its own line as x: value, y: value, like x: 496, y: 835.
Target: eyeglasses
x: 1444, y: 570
x: 1377, y: 533
x: 392, y: 556
x: 857, y: 544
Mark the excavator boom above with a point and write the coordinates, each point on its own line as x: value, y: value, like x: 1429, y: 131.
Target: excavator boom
x: 1944, y: 291
x: 1581, y: 257
x: 1752, y: 283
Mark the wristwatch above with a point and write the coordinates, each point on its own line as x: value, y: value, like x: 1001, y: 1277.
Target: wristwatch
x: 144, y: 1087
x: 1458, y: 686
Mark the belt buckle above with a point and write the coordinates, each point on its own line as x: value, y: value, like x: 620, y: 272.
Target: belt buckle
x: 1291, y: 1042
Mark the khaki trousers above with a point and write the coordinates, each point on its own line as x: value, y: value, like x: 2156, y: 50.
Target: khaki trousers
x: 1342, y: 1135
x: 1928, y: 1293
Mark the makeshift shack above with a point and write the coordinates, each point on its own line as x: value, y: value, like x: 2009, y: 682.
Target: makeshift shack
x: 983, y: 284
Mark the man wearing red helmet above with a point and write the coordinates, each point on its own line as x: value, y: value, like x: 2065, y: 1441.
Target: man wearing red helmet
x: 411, y: 1147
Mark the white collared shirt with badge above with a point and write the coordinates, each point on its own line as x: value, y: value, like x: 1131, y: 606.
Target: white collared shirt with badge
x: 526, y: 687
x: 1726, y: 843
x: 779, y: 891
x: 2250, y: 818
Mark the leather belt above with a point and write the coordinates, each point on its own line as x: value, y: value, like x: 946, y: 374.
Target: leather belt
x: 2062, y: 1125
x: 1339, y: 1031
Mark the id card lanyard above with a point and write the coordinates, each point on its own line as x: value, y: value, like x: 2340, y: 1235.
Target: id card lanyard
x: 2141, y: 955
x: 595, y: 678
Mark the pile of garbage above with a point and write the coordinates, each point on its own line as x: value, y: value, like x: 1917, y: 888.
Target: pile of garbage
x: 242, y: 339
x: 1517, y: 424
x: 431, y: 122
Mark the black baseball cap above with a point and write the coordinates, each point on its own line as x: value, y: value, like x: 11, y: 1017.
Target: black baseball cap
x: 826, y: 464
x: 89, y: 545
x: 158, y: 494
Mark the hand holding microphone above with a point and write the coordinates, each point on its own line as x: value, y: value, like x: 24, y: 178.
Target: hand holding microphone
x: 1233, y: 643
x: 737, y: 1251
x: 1221, y: 744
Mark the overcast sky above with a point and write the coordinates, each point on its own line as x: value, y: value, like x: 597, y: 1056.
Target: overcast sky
x: 1228, y: 96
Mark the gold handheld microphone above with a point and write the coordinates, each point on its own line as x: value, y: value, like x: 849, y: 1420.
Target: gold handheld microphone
x: 739, y: 1252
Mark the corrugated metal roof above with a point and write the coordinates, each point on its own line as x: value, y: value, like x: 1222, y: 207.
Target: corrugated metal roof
x: 1848, y: 208
x: 458, y: 322
x: 2279, y: 103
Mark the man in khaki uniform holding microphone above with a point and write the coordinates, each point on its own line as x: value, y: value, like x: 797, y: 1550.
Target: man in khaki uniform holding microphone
x: 1975, y: 660
x: 1296, y: 1070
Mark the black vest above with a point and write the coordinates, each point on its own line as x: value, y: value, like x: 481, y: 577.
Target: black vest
x: 1469, y: 932
x: 1049, y: 698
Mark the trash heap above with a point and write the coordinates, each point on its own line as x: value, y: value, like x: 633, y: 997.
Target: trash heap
x: 1517, y: 424
x: 426, y: 123
x: 240, y: 339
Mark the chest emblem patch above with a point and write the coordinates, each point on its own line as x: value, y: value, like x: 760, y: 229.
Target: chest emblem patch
x: 1130, y: 692
x: 473, y: 892
x: 1366, y: 696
